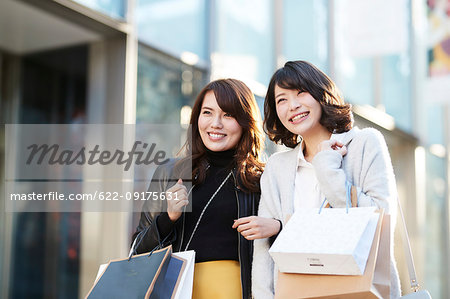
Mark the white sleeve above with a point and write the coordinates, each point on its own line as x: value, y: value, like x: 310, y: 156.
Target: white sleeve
x: 377, y: 181
x: 263, y: 265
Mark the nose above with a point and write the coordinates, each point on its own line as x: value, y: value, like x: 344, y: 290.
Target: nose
x: 294, y: 104
x: 216, y: 122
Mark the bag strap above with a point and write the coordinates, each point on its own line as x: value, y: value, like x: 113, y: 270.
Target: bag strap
x: 140, y: 236
x: 405, y: 239
x: 204, y: 209
x: 408, y: 253
x: 353, y: 197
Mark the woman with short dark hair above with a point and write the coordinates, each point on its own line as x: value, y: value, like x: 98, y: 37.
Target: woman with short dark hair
x: 304, y: 111
x: 336, y: 115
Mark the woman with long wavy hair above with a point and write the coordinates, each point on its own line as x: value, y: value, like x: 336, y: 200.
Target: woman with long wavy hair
x: 225, y: 155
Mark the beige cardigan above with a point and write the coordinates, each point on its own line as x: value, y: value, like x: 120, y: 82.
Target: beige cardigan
x: 367, y: 165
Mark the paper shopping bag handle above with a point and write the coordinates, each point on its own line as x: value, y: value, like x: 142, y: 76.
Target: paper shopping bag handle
x: 351, y: 198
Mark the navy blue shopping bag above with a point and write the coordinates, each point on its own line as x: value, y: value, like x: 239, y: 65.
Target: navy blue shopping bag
x: 149, y: 275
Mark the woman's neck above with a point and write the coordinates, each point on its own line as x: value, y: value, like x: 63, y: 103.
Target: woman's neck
x: 221, y: 159
x: 311, y: 142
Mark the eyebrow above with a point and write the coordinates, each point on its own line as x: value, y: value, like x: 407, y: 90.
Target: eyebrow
x: 280, y: 94
x: 206, y: 107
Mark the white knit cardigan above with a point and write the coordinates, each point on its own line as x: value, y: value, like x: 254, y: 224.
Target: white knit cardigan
x: 367, y: 165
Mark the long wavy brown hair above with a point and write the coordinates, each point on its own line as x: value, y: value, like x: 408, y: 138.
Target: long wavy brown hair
x: 235, y: 98
x: 336, y: 116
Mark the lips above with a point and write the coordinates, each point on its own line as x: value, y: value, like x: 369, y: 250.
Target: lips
x: 299, y: 117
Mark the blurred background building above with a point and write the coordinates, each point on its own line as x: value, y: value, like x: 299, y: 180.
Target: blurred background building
x: 142, y: 61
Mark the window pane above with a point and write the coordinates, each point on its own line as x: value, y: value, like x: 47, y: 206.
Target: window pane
x: 243, y: 40
x: 175, y: 26
x: 372, y: 56
x: 46, y: 246
x: 165, y: 85
x: 435, y: 246
x: 356, y: 80
x: 113, y: 8
x: 305, y: 31
x: 435, y: 124
x: 396, y: 91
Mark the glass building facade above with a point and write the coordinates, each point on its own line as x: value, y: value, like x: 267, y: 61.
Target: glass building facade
x: 113, y: 8
x: 119, y: 61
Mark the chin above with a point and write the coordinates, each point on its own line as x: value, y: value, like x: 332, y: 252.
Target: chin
x: 296, y: 132
x: 215, y: 148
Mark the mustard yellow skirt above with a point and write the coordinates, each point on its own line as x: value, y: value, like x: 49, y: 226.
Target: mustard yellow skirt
x: 217, y: 279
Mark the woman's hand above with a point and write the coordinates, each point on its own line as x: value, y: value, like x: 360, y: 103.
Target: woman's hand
x: 332, y: 145
x: 256, y: 227
x: 177, y: 200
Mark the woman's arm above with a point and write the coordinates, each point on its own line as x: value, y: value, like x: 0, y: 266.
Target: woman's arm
x: 257, y: 227
x: 152, y: 230
x: 374, y: 178
x: 156, y: 226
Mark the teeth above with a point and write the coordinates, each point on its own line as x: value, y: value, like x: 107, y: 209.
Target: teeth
x: 216, y: 135
x: 299, y: 116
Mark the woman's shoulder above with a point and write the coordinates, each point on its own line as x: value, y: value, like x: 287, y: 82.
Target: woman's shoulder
x: 279, y: 159
x: 368, y: 132
x: 367, y: 140
x: 367, y: 135
x: 168, y: 165
x: 165, y: 170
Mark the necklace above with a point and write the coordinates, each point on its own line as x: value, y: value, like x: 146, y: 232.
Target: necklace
x: 204, y: 209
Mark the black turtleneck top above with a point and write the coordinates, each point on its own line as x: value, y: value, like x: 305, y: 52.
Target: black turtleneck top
x: 214, y: 239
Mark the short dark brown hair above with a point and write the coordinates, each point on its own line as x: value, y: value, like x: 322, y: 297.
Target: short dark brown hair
x: 336, y: 117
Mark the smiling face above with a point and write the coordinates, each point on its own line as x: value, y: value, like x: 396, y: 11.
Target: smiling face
x: 219, y: 130
x: 298, y: 111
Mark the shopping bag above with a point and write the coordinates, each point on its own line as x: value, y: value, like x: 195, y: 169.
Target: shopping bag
x: 334, y: 241
x: 149, y: 275
x: 186, y: 281
x: 374, y: 283
x: 184, y: 290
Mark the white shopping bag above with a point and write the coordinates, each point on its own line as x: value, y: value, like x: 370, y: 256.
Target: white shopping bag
x: 187, y: 278
x: 336, y: 241
x: 100, y: 271
x: 184, y: 289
